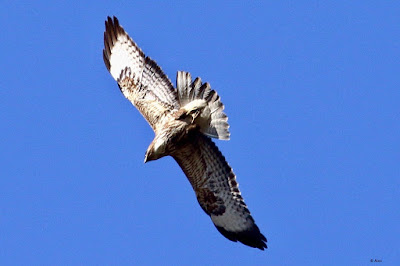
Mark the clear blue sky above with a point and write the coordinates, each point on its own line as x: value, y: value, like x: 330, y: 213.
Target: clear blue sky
x: 312, y: 91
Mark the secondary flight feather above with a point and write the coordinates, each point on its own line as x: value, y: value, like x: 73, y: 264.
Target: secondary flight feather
x: 184, y: 120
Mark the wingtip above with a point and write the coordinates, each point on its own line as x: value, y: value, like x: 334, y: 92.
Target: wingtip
x: 112, y: 20
x: 252, y: 237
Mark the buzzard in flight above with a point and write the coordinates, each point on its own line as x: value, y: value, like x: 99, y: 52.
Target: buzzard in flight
x: 183, y: 119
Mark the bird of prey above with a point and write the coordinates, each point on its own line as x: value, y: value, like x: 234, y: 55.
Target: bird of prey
x: 184, y: 121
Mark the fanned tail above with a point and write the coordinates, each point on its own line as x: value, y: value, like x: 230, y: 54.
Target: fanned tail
x: 198, y: 97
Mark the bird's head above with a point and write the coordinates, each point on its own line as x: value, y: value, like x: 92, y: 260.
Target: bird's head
x: 156, y: 149
x: 149, y: 156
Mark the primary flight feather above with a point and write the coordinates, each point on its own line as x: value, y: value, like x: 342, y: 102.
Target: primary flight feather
x: 183, y: 119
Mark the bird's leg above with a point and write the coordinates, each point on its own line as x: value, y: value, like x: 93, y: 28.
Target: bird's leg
x: 195, y: 115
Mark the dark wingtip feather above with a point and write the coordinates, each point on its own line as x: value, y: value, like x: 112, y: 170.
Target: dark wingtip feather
x: 252, y: 237
x: 113, y: 29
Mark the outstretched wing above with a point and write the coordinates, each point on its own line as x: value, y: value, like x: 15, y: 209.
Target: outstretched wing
x: 217, y: 190
x: 140, y: 79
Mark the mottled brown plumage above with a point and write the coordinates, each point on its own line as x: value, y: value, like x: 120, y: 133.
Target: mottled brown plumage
x: 183, y: 120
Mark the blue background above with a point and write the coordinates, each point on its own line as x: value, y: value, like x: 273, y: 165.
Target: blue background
x: 312, y: 94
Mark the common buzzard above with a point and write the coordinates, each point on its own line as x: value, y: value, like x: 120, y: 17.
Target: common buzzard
x: 183, y: 119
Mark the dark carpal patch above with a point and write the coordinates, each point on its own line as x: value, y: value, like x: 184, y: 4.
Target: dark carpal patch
x: 209, y: 202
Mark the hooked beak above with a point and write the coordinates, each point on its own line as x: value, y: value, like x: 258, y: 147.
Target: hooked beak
x: 149, y: 156
x: 146, y: 157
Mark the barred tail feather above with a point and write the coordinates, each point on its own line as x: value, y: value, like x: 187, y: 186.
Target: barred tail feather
x: 212, y: 120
